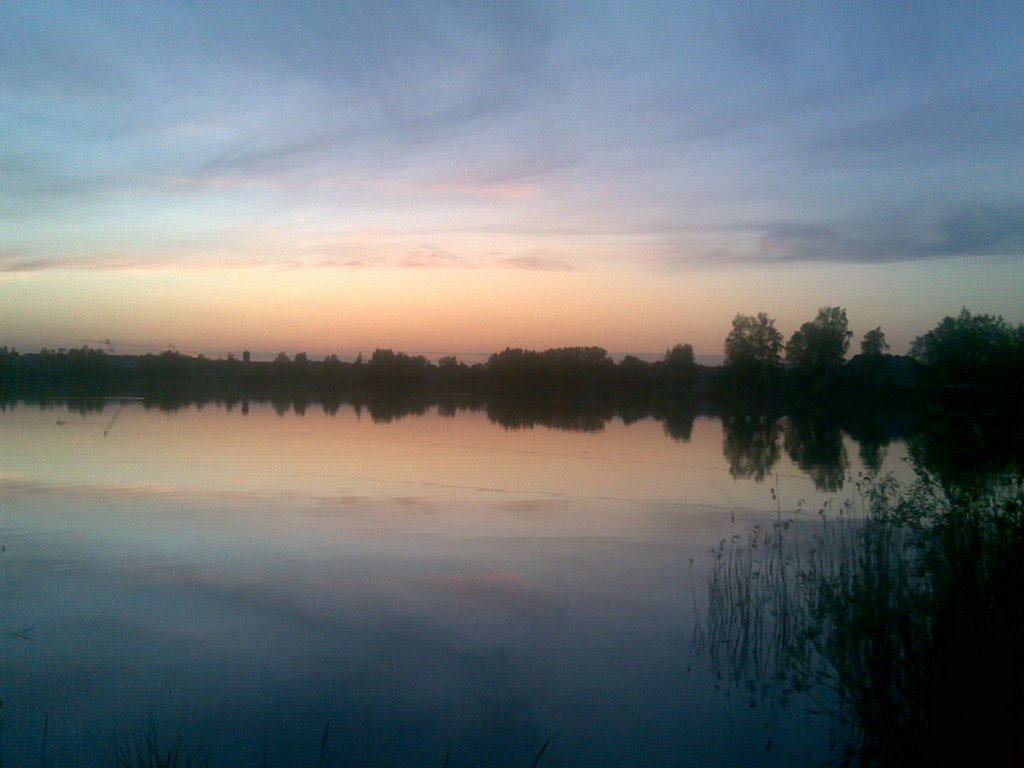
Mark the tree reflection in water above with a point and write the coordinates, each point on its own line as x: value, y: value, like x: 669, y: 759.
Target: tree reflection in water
x: 751, y: 443
x: 814, y: 441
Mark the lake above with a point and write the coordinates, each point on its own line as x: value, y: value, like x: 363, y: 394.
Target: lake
x: 435, y: 589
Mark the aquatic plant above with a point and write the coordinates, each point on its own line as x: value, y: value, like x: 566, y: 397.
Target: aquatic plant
x: 899, y: 614
x: 143, y: 750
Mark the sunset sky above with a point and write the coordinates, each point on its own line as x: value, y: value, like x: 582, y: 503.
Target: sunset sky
x: 460, y: 177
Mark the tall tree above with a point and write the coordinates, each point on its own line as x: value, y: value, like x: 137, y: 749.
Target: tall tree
x: 973, y: 350
x: 752, y: 353
x: 753, y: 341
x: 680, y: 366
x: 822, y: 343
x: 874, y: 344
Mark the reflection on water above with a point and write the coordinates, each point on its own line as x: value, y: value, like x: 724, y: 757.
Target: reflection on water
x: 751, y: 444
x: 423, y: 580
x: 815, y: 443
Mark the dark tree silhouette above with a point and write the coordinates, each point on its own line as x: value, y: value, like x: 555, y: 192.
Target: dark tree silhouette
x: 874, y: 344
x: 821, y: 344
x: 453, y: 376
x: 753, y: 340
x: 680, y: 367
x: 753, y: 351
x: 873, y: 371
x: 567, y: 369
x: 973, y: 350
x: 966, y: 351
x: 634, y: 374
x: 8, y: 366
x: 395, y: 370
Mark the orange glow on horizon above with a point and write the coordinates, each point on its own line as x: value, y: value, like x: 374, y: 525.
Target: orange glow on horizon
x: 465, y: 310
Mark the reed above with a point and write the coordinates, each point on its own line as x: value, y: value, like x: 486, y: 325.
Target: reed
x: 900, y: 616
x: 144, y: 751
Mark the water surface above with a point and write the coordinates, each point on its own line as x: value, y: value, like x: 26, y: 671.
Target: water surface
x: 428, y: 586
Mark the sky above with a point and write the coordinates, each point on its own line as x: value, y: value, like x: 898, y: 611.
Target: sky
x: 459, y: 177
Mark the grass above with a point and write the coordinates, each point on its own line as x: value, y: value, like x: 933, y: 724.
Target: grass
x: 899, y: 614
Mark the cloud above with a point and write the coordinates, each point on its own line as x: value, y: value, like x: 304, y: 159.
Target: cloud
x: 223, y: 158
x: 523, y: 173
x: 661, y: 135
x: 996, y: 229
x: 26, y: 266
x: 925, y: 129
x: 11, y: 257
x: 359, y: 90
x: 431, y: 256
x: 341, y: 263
x: 537, y: 264
x: 992, y: 229
x: 489, y: 191
x: 15, y: 264
x: 984, y: 229
x: 22, y: 262
x: 426, y: 256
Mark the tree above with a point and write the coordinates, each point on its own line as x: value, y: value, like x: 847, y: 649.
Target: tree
x: 874, y: 344
x: 871, y: 370
x: 395, y: 370
x: 680, y: 357
x: 8, y: 362
x: 634, y: 373
x: 753, y: 349
x: 562, y: 369
x: 972, y: 350
x: 680, y: 366
x: 822, y: 343
x: 450, y: 372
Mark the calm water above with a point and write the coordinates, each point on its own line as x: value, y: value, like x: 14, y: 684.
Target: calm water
x: 428, y: 586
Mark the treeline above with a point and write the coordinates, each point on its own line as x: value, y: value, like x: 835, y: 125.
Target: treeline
x: 566, y: 372
x: 967, y: 352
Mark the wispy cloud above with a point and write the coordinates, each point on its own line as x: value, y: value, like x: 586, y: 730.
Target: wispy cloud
x: 992, y: 229
x: 516, y: 136
x: 926, y: 129
x: 341, y: 264
x: 984, y: 229
x: 537, y: 264
x: 431, y: 256
x: 489, y: 191
x: 17, y: 262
